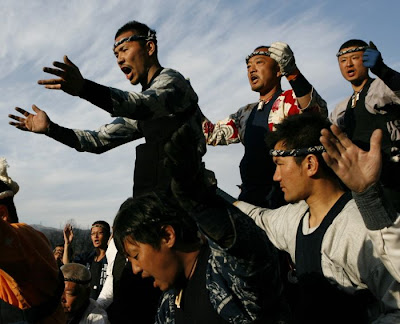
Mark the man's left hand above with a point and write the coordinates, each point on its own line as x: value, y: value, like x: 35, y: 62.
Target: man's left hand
x: 371, y: 56
x: 282, y: 53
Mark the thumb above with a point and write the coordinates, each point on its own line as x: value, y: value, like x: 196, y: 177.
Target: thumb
x: 375, y: 141
x: 36, y: 109
x: 68, y: 61
x: 372, y: 45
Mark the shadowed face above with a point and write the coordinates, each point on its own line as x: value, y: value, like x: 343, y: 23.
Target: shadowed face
x: 162, y: 264
x: 351, y: 66
x: 74, y: 297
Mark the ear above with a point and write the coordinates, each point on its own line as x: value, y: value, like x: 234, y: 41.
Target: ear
x: 4, y: 213
x: 151, y: 48
x: 311, y: 164
x: 169, y: 238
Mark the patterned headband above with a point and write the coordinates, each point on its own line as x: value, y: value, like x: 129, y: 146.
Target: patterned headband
x: 298, y: 152
x: 151, y: 35
x: 351, y: 50
x: 248, y: 57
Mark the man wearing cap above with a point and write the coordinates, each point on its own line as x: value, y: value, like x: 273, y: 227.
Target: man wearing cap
x: 265, y: 67
x: 374, y: 104
x: 30, y: 281
x: 76, y: 301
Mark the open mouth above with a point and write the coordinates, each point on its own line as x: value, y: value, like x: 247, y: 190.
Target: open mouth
x: 253, y: 78
x: 127, y: 71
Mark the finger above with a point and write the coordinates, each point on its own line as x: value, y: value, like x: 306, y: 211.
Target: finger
x: 20, y: 126
x: 376, y: 141
x: 17, y: 118
x: 372, y: 45
x: 332, y: 163
x: 36, y: 109
x: 342, y: 138
x: 53, y: 87
x: 67, y: 61
x: 279, y: 45
x: 22, y: 111
x: 53, y: 71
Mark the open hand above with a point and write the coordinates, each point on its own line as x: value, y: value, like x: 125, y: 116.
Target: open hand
x: 357, y: 169
x: 38, y: 123
x: 70, y: 78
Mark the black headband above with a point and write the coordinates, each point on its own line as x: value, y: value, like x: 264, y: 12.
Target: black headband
x: 151, y: 35
x: 248, y: 57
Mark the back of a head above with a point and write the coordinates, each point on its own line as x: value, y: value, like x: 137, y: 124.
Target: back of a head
x: 142, y: 218
x: 77, y: 273
x: 8, y: 189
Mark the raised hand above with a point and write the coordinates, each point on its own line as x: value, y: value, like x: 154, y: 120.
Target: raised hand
x: 68, y: 234
x: 282, y: 53
x: 70, y: 78
x: 357, y: 169
x: 371, y: 56
x: 38, y: 123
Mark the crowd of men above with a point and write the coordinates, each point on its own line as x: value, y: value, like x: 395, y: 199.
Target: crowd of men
x: 312, y: 238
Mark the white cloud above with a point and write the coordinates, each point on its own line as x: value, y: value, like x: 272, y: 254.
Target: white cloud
x: 206, y: 41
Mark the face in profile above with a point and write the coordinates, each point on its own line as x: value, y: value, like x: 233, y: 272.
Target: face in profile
x: 162, y: 264
x: 74, y: 297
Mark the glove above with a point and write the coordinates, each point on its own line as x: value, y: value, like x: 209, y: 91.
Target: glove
x: 282, y: 53
x: 192, y: 184
x: 372, y: 57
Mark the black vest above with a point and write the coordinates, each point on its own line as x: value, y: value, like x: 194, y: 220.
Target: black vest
x: 320, y: 301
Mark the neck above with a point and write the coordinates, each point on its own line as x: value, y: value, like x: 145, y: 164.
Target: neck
x: 100, y: 253
x: 267, y: 95
x: 150, y: 74
x: 322, y: 199
x: 359, y: 85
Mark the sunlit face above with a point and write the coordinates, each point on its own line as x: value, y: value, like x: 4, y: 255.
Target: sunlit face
x: 351, y: 66
x: 133, y: 59
x: 58, y: 252
x: 263, y: 73
x: 161, y: 264
x: 291, y: 176
x: 73, y: 298
x: 99, y: 237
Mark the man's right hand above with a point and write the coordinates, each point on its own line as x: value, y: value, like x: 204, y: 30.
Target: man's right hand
x: 68, y: 234
x: 70, y: 81
x: 38, y: 123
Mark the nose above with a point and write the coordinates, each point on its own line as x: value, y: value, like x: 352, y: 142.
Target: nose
x: 120, y: 59
x: 277, y: 175
x: 135, y: 268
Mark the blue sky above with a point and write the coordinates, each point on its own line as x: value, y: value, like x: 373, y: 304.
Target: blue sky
x: 206, y: 41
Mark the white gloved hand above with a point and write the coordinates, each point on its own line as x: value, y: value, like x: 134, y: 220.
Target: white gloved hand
x: 282, y: 53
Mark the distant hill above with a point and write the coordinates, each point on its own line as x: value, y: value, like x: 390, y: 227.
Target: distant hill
x: 81, y: 242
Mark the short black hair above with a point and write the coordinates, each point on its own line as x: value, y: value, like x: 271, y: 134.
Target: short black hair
x: 138, y: 27
x: 144, y: 218
x: 353, y: 43
x: 301, y: 131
